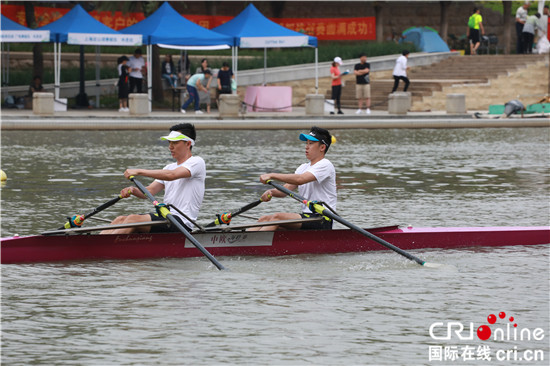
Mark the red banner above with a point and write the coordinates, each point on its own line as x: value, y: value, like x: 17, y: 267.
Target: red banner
x: 333, y: 28
x: 323, y: 28
x: 116, y: 20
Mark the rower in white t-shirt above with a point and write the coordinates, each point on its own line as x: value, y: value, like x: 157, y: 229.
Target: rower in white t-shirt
x: 315, y: 180
x: 182, y: 182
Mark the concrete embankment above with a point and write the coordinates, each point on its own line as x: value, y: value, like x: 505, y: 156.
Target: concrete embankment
x: 110, y: 120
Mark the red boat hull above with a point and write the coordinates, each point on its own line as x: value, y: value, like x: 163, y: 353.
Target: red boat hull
x: 35, y: 249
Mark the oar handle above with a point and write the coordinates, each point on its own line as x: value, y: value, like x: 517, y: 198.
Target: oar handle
x: 287, y: 191
x: 225, y: 218
x: 167, y: 215
x: 325, y: 212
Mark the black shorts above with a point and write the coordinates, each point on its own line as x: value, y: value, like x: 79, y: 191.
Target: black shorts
x: 325, y: 224
x: 168, y: 228
x: 474, y: 35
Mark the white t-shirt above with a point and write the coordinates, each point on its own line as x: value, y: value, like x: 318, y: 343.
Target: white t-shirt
x: 543, y: 26
x: 400, y: 68
x: 186, y: 193
x: 521, y: 14
x: 323, y: 188
x: 136, y: 63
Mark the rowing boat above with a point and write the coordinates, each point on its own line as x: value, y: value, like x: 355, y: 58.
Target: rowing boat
x: 235, y: 242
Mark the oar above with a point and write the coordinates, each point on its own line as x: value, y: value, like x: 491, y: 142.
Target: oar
x: 167, y: 215
x: 77, y: 220
x: 226, y: 217
x: 325, y: 212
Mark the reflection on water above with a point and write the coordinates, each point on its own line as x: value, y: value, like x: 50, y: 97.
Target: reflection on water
x: 463, y: 177
x: 362, y: 308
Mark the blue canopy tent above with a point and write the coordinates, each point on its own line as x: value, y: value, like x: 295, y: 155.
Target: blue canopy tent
x: 425, y: 39
x: 80, y: 28
x: 13, y: 32
x: 251, y: 29
x: 168, y: 29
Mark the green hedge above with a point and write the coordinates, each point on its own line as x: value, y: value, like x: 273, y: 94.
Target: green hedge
x: 275, y: 58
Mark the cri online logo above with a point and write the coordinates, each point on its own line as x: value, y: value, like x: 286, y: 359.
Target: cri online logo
x: 484, y: 331
x: 446, y: 331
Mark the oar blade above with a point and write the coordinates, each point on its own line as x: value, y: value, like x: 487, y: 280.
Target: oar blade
x: 449, y: 267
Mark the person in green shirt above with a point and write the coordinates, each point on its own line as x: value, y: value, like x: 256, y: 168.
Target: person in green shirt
x: 474, y: 26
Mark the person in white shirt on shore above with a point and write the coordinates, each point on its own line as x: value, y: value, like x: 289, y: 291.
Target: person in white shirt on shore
x: 400, y: 71
x: 136, y: 65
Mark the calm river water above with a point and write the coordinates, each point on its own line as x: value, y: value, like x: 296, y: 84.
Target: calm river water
x: 364, y: 309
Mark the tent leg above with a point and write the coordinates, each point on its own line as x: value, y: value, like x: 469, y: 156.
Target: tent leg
x: 97, y: 75
x: 57, y: 69
x: 316, y: 70
x: 265, y: 63
x: 8, y: 67
x: 236, y: 63
x: 150, y: 76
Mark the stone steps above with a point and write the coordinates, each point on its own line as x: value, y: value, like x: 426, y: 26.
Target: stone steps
x: 451, y: 71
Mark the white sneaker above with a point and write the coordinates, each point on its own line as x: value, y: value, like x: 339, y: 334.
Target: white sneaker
x: 126, y: 109
x: 182, y: 111
x: 121, y: 110
x: 199, y: 112
x: 367, y: 111
x: 358, y: 111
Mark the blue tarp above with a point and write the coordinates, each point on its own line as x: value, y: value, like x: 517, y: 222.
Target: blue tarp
x: 425, y: 39
x: 166, y: 26
x: 75, y: 21
x: 8, y: 24
x: 250, y: 23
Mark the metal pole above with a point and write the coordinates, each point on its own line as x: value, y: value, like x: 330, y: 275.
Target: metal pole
x: 150, y: 76
x: 8, y: 67
x: 316, y: 70
x: 97, y: 75
x: 236, y: 63
x: 265, y: 63
x: 56, y: 68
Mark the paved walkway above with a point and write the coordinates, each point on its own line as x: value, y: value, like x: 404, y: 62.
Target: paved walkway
x: 113, y: 120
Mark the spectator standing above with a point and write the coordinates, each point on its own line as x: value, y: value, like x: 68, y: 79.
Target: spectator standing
x: 136, y: 64
x: 521, y: 18
x: 194, y: 84
x: 543, y: 22
x: 169, y: 71
x: 543, y: 45
x: 123, y: 84
x: 474, y: 26
x: 225, y: 75
x: 400, y: 71
x: 204, y: 94
x: 362, y: 88
x: 35, y: 86
x: 184, y: 69
x: 336, y: 83
x: 531, y: 24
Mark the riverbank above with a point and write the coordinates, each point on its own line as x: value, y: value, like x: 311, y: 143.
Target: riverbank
x: 297, y: 119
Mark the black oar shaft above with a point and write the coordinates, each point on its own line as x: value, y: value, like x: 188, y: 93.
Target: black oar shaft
x: 167, y: 215
x: 102, y: 207
x: 93, y: 212
x: 325, y: 212
x: 235, y: 213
